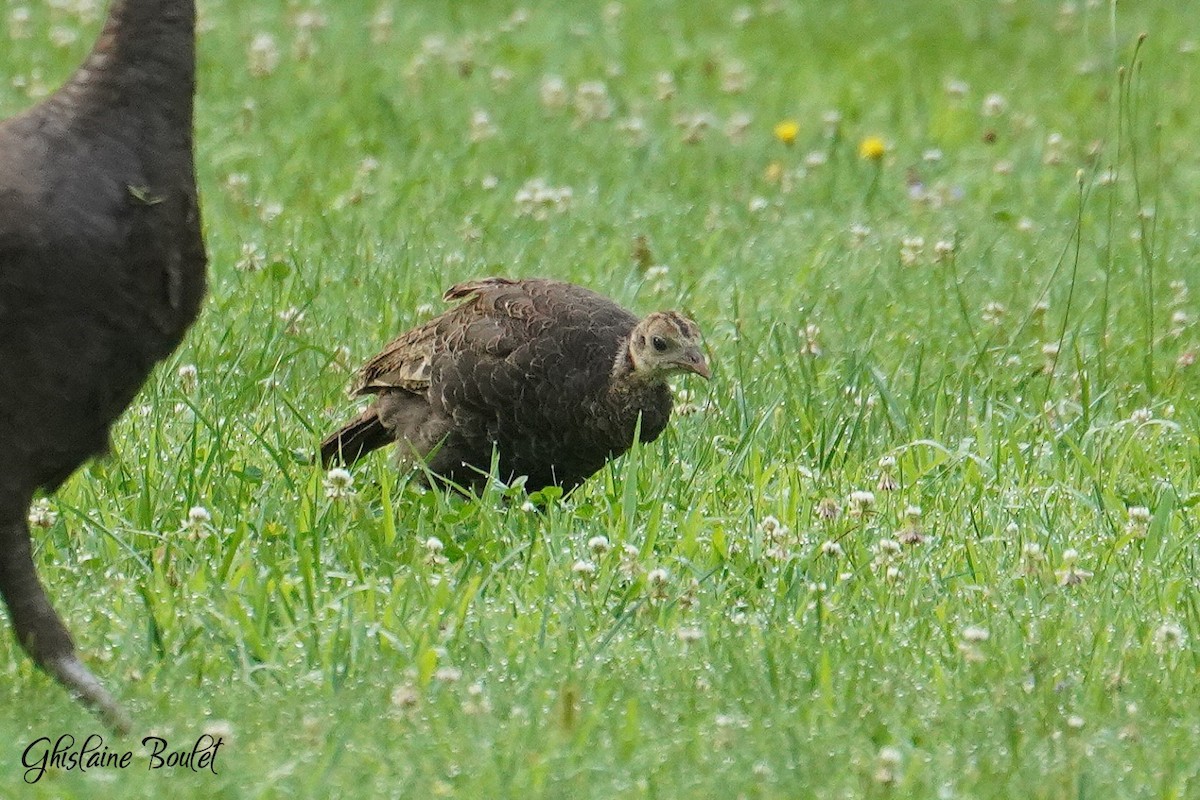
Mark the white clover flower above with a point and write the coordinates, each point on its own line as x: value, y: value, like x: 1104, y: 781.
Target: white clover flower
x: 481, y: 128
x: 1139, y: 520
x: 237, y: 184
x: 18, y: 23
x: 447, y: 674
x: 553, y: 92
x: 405, y: 696
x: 974, y: 634
x: 812, y: 344
x: 1179, y: 289
x: 1031, y: 552
x: 219, y: 729
x: 584, y: 568
x: 1139, y: 515
x: 769, y: 524
x: 310, y: 20
x: 1053, y: 152
x: 599, y: 545
x: 738, y: 127
x: 911, y: 249
x: 41, y: 514
x: 515, y: 20
x: 957, y: 88
x: 816, y: 158
x: 476, y: 702
x: 993, y: 312
x: 689, y: 635
x: 292, y: 319
x: 911, y: 533
x: 501, y: 77
x: 832, y: 549
x: 633, y: 129
x: 664, y: 86
x: 263, y: 55
x: 62, y: 36
x: 252, y: 259
x: 887, y: 547
x: 887, y: 478
x: 381, y: 25
x: 1070, y: 574
x: 339, y: 483
x: 658, y: 577
x: 198, y: 522
x: 695, y: 125
x: 1169, y: 636
x: 592, y: 102
x: 270, y: 211
x: 734, y: 77
x: 859, y: 233
x: 994, y: 105
x: 828, y: 508
x: 860, y: 502
x: 887, y: 765
x: 537, y: 199
x: 1141, y: 416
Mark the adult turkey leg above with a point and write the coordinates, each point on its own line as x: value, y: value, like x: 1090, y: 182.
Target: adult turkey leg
x: 38, y: 627
x: 102, y: 271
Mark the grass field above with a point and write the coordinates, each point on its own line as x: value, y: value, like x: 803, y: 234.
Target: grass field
x: 930, y: 531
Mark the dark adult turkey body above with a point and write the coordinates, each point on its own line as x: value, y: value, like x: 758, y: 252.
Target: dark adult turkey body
x: 552, y: 377
x: 101, y: 273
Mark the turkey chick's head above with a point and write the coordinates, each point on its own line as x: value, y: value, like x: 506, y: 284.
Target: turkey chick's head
x: 666, y: 342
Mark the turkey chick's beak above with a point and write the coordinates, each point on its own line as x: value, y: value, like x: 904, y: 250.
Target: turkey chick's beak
x: 692, y: 360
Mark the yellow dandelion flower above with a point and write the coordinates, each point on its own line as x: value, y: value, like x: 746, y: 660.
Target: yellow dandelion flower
x: 787, y: 131
x: 872, y: 148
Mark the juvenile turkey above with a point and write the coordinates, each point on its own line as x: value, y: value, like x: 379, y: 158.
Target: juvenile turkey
x: 551, y: 376
x: 101, y: 273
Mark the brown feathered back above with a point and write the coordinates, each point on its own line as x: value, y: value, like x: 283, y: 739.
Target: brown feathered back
x: 101, y: 273
x: 531, y: 369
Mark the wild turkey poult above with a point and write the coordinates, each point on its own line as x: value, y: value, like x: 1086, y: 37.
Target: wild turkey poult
x: 101, y: 273
x: 552, y: 376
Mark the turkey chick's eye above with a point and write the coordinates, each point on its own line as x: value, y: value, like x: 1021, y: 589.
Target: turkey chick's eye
x: 660, y: 344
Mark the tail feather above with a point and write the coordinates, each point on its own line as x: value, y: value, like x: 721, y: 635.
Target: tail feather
x: 355, y: 439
